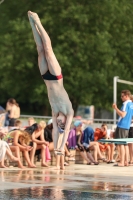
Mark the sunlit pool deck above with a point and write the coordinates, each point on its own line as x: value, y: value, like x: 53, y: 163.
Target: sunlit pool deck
x: 76, y: 182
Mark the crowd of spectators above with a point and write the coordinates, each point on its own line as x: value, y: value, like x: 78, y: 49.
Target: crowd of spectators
x: 36, y: 140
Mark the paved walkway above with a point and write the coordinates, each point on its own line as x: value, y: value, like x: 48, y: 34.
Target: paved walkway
x: 75, y: 182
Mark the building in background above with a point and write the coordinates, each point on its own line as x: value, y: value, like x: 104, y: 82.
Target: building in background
x: 86, y: 112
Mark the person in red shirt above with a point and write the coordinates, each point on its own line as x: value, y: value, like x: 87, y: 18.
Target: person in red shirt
x: 101, y: 133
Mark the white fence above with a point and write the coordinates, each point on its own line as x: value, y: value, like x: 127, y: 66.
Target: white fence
x: 95, y: 122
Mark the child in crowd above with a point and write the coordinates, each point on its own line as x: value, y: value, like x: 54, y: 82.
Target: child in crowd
x: 18, y: 140
x: 37, y: 135
x: 5, y: 150
x: 93, y: 145
x: 17, y: 125
x: 75, y: 141
x: 103, y: 133
x: 31, y: 121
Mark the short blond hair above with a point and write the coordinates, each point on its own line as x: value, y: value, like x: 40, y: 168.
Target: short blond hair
x: 31, y: 118
x: 42, y: 123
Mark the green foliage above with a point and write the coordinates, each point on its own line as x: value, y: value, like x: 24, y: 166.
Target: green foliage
x: 93, y: 41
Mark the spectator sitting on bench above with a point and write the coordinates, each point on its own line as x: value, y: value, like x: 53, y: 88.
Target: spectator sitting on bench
x: 48, y: 134
x: 5, y: 150
x: 18, y: 140
x: 75, y: 142
x: 17, y: 125
x: 37, y: 135
x: 101, y: 133
x: 88, y: 138
x: 31, y: 121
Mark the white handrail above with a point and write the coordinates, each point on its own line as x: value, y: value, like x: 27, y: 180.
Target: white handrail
x: 49, y: 117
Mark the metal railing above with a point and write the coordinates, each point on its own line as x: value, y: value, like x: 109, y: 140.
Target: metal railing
x: 110, y: 121
x: 95, y: 122
x: 35, y: 116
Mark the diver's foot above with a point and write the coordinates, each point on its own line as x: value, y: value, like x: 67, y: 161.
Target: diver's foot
x: 31, y: 20
x: 34, y: 16
x: 62, y: 168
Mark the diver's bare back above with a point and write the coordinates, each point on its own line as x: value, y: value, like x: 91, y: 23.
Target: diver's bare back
x: 58, y: 97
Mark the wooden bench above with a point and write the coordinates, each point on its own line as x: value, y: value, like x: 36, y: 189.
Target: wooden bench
x: 80, y: 160
x: 52, y: 162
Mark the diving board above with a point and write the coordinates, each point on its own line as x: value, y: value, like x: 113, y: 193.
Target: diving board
x: 117, y: 141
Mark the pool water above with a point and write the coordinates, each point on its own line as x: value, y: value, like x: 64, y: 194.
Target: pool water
x: 77, y: 182
x: 41, y: 193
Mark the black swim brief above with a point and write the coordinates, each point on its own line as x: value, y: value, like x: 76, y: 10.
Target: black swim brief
x: 50, y: 77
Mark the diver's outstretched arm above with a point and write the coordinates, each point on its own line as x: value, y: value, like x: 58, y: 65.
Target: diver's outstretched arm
x: 55, y: 132
x: 66, y: 131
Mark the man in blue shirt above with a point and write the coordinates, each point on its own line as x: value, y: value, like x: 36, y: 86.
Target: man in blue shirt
x: 122, y: 130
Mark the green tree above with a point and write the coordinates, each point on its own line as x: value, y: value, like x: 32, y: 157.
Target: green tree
x: 91, y: 39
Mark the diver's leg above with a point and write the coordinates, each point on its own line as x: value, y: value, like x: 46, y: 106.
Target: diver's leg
x: 58, y: 157
x: 41, y: 54
x: 52, y: 62
x: 62, y: 162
